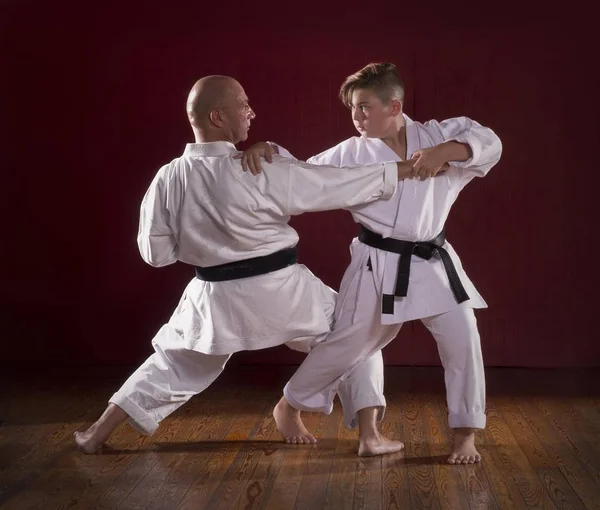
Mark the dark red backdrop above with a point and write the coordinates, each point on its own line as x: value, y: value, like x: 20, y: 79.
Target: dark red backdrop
x: 92, y: 105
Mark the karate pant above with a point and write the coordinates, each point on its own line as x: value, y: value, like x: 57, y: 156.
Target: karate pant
x: 172, y: 375
x: 358, y: 335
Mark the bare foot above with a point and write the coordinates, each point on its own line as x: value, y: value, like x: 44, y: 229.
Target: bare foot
x: 93, y: 438
x: 378, y: 445
x: 289, y: 424
x: 464, y: 447
x: 88, y: 441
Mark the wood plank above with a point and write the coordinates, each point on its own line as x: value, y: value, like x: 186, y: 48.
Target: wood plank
x: 208, y: 478
x: 448, y: 479
x: 257, y: 489
x: 368, y: 481
x: 304, y: 477
x: 569, y: 429
x: 395, y: 479
x: 144, y: 454
x: 533, y: 491
x: 382, y: 482
x: 189, y: 423
x: 103, y: 472
x: 560, y: 490
x: 97, y: 472
x: 475, y: 482
x: 146, y: 463
x: 525, y: 438
x: 563, y: 457
x: 340, y: 489
x: 42, y: 475
x: 25, y: 421
x: 233, y: 486
x: 193, y: 418
x: 587, y: 411
x: 423, y: 492
x: 32, y: 441
x: 505, y: 489
x: 540, y: 450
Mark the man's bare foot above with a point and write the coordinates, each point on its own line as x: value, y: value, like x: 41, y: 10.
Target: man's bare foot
x: 378, y: 445
x: 464, y: 451
x: 289, y: 424
x: 89, y: 441
x: 93, y: 438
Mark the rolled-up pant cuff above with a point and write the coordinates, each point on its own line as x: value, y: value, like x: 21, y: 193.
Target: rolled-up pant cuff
x: 326, y: 409
x: 138, y: 418
x: 467, y: 420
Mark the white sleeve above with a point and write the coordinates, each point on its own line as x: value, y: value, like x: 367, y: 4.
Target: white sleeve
x: 157, y: 229
x: 485, y: 145
x: 321, y: 188
x: 329, y: 157
x: 332, y: 156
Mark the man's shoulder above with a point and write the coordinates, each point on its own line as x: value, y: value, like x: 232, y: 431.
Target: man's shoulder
x: 335, y: 154
x: 169, y: 169
x: 174, y: 170
x: 351, y: 142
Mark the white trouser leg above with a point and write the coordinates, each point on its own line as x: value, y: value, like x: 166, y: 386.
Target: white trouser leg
x: 362, y: 387
x: 459, y: 346
x: 356, y: 336
x: 165, y: 381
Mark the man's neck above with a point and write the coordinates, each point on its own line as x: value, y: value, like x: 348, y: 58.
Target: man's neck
x: 397, y: 139
x: 207, y: 137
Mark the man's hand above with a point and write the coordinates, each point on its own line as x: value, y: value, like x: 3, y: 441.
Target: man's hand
x: 406, y: 169
x: 429, y: 162
x: 251, y: 156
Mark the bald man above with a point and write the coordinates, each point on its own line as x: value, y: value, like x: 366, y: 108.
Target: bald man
x: 249, y: 292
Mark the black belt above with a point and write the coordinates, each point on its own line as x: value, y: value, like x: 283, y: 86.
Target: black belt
x: 249, y: 267
x: 407, y: 249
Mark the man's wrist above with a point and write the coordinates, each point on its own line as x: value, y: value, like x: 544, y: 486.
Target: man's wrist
x: 274, y: 146
x: 455, y: 151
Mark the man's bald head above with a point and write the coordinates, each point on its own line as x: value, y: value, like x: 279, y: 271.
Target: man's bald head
x: 210, y: 93
x: 217, y: 108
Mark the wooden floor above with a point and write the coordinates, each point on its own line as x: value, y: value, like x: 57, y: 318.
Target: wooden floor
x: 541, y: 448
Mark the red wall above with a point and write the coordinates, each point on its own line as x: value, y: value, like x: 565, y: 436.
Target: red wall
x: 92, y: 105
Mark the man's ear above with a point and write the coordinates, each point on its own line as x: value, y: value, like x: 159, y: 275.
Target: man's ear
x: 396, y: 107
x: 216, y: 118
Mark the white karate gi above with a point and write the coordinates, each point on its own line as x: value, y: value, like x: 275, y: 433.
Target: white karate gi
x: 203, y: 210
x: 417, y: 212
